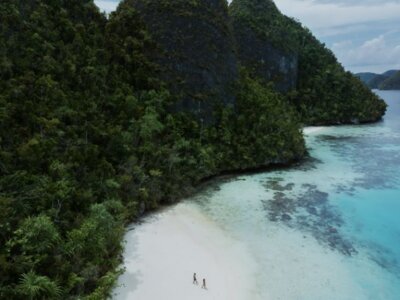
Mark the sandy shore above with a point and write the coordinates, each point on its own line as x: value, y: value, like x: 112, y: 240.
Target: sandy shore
x: 225, y: 236
x: 312, y: 129
x: 262, y: 260
x: 162, y: 254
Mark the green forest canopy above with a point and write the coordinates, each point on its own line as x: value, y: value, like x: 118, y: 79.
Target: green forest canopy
x: 88, y: 143
x: 325, y: 93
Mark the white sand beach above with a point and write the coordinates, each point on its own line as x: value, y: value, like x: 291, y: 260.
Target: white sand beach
x: 313, y: 129
x: 162, y: 254
x: 270, y: 262
x: 225, y: 234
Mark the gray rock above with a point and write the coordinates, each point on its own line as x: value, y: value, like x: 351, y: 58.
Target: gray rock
x: 198, y: 51
x: 258, y: 51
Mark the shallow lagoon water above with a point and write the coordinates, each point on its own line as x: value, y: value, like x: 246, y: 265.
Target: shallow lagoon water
x: 346, y: 197
x: 328, y: 228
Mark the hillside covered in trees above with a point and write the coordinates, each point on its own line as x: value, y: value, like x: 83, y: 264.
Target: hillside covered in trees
x: 319, y: 87
x: 88, y: 143
x: 98, y: 125
x: 197, y: 54
x: 389, y: 80
x: 391, y: 83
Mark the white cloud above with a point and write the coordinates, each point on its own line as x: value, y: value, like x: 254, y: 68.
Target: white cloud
x: 319, y: 16
x: 373, y: 55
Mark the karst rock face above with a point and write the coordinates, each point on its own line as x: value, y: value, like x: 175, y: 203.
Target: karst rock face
x: 197, y: 51
x: 263, y: 54
x: 265, y: 61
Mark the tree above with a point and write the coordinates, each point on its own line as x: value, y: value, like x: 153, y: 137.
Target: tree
x: 34, y: 286
x: 34, y: 240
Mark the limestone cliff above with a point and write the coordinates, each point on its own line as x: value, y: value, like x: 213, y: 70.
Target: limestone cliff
x: 197, y: 51
x: 262, y: 53
x: 276, y: 48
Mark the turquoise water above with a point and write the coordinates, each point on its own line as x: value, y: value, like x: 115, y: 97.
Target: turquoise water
x: 343, y: 204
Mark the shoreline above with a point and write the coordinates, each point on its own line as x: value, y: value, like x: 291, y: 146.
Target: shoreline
x: 313, y: 129
x: 146, y: 231
x: 169, y: 244
x: 163, y: 252
x: 167, y: 247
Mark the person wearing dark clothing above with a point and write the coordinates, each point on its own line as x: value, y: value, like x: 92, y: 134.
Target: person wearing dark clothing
x: 204, y: 284
x: 195, y: 279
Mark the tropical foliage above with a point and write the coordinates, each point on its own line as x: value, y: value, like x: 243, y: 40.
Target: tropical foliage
x: 88, y: 143
x: 325, y: 92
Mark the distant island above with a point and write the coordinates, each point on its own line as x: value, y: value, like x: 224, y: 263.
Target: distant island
x: 390, y: 80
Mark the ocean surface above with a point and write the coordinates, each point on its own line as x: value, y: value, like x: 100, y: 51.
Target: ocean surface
x: 327, y: 228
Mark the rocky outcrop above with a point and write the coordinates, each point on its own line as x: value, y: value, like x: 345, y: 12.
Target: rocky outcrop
x: 197, y: 51
x: 265, y: 61
x: 202, y: 43
x: 259, y: 52
x: 279, y: 49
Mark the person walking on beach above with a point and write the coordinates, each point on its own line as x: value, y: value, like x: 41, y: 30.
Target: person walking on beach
x: 204, y: 284
x: 195, y: 279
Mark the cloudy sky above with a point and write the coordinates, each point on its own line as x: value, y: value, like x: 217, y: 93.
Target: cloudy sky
x: 364, y: 34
